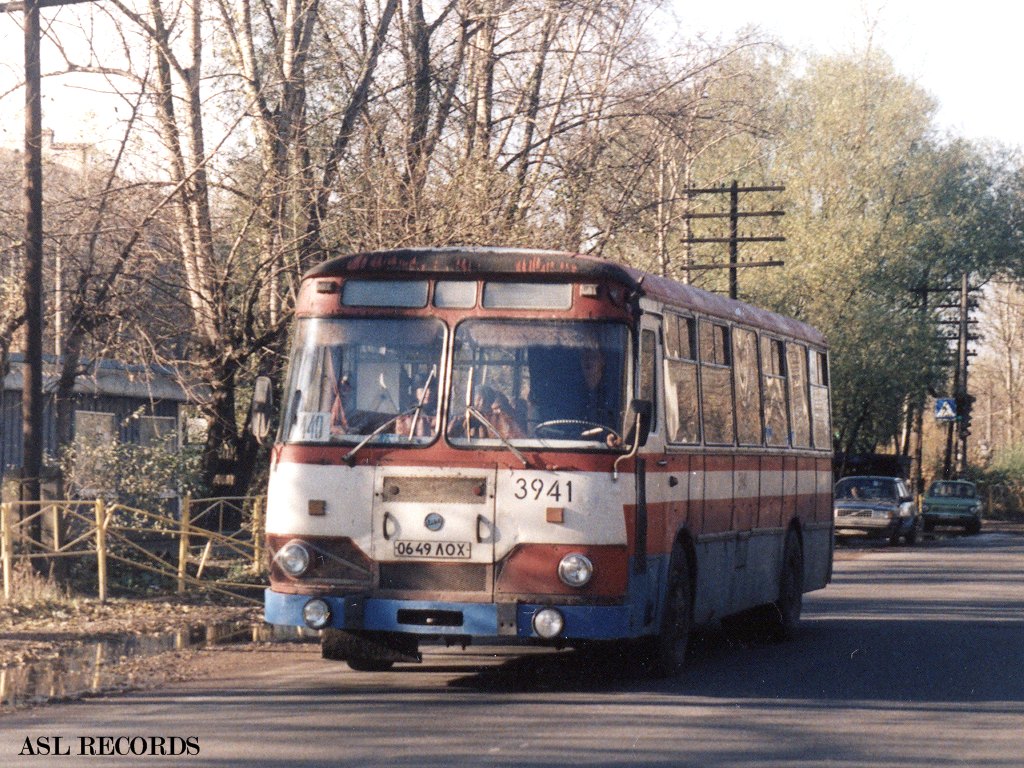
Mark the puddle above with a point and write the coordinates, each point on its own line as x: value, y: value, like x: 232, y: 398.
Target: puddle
x: 99, y: 667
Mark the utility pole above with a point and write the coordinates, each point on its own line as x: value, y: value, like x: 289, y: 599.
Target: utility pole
x: 32, y: 376
x: 734, y: 238
x: 919, y: 421
x: 964, y: 399
x: 958, y: 431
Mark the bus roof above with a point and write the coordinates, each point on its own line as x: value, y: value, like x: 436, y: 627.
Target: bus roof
x: 532, y: 264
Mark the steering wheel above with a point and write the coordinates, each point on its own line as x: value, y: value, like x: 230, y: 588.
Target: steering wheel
x: 559, y: 426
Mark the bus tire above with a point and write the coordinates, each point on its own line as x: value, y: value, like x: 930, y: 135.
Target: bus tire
x: 358, y: 664
x: 334, y: 644
x: 366, y: 652
x: 789, y: 604
x: 668, y: 652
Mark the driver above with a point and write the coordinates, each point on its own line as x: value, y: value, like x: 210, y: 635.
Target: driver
x: 594, y: 399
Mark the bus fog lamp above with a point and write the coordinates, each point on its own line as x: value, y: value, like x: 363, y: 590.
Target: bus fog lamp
x: 293, y: 558
x: 548, y: 623
x: 316, y: 613
x: 575, y: 570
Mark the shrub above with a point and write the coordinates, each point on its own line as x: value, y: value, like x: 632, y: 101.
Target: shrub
x: 1002, y: 484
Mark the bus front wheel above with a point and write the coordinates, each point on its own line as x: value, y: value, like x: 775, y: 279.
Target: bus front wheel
x: 668, y: 652
x: 369, y: 665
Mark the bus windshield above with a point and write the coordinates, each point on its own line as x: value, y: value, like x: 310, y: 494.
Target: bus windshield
x: 538, y: 383
x: 352, y: 377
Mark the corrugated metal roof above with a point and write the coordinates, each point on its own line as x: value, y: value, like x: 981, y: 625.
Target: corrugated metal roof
x: 110, y: 377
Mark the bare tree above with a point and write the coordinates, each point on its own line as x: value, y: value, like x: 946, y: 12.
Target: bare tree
x: 999, y: 373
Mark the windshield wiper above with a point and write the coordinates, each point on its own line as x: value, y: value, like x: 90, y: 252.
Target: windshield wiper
x: 423, y: 397
x: 471, y: 411
x: 348, y: 457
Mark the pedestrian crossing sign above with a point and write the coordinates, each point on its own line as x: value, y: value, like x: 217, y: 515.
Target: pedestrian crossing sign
x: 945, y: 409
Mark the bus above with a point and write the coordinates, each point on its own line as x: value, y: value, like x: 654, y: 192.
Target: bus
x: 524, y: 447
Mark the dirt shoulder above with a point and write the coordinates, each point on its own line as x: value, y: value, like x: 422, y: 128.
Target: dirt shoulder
x: 47, y: 630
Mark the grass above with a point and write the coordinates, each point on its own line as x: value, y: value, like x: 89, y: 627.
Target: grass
x: 30, y: 589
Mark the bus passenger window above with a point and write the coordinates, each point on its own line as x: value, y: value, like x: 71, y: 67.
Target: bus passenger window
x: 748, y: 391
x: 799, y: 411
x: 773, y: 373
x: 716, y: 383
x: 682, y: 416
x: 820, y: 412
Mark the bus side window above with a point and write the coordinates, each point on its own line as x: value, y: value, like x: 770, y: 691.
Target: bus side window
x: 820, y: 411
x: 748, y: 389
x: 773, y: 374
x: 799, y: 411
x: 682, y: 416
x: 716, y: 383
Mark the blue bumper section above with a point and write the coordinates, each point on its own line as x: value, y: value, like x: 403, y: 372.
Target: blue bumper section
x: 480, y: 620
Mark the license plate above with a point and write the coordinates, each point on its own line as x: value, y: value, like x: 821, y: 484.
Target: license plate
x: 446, y: 550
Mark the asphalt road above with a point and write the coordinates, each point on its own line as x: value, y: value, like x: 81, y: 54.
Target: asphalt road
x: 914, y: 656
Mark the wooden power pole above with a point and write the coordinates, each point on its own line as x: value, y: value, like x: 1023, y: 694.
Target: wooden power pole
x: 734, y: 238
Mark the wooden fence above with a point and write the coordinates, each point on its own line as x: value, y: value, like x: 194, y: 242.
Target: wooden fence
x: 178, y: 548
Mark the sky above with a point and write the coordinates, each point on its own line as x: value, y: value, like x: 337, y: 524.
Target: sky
x: 967, y: 55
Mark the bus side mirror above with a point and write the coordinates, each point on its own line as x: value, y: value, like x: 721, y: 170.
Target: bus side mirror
x: 641, y: 409
x: 261, y: 408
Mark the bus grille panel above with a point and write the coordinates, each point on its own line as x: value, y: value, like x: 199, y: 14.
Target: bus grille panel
x: 433, y: 490
x: 435, y: 577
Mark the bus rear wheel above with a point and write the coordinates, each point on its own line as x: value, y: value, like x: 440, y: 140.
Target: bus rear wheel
x: 668, y: 649
x: 791, y: 588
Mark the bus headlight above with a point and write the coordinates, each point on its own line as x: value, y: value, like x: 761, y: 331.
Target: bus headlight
x: 548, y: 623
x: 575, y: 570
x: 316, y: 613
x: 293, y: 558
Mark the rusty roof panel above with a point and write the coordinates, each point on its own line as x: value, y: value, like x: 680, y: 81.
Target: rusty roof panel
x: 538, y: 264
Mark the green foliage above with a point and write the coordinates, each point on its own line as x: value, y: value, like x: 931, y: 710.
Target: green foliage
x: 878, y: 212
x: 139, y: 476
x: 1003, y: 482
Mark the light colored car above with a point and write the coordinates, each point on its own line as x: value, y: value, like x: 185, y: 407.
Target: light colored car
x: 878, y: 506
x: 952, y: 502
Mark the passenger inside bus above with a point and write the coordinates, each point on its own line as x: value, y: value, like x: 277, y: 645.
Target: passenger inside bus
x: 341, y: 401
x: 422, y: 421
x: 495, y: 407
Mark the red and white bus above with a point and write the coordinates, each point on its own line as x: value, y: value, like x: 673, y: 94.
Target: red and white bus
x: 529, y: 447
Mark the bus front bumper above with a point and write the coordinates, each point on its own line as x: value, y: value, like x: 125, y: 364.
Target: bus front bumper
x: 477, y: 620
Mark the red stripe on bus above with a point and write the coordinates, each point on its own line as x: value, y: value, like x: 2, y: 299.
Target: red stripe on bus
x: 532, y: 569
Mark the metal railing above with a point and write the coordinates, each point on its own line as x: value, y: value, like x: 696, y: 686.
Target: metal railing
x: 178, y: 548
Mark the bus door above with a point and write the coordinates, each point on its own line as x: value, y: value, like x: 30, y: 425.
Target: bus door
x: 426, y: 522
x: 655, y: 483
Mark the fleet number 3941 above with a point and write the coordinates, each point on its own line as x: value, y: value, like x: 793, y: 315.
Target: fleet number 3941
x: 538, y: 488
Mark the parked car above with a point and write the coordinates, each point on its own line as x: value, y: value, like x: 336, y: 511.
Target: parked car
x: 952, y: 502
x: 876, y: 506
